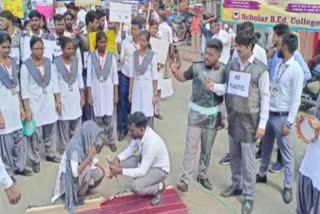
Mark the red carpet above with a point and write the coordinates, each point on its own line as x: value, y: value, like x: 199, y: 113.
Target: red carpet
x: 132, y: 204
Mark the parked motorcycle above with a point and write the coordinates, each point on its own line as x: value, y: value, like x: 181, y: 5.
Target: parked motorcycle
x: 311, y: 90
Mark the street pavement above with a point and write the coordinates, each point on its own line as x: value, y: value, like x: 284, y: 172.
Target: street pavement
x: 38, y: 189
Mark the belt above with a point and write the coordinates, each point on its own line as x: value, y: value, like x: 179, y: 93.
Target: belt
x: 279, y: 113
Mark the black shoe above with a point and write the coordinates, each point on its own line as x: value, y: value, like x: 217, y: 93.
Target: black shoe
x: 53, y: 159
x: 158, y: 116
x: 13, y: 179
x: 231, y: 192
x: 260, y: 179
x: 258, y: 155
x: 182, y: 186
x: 158, y: 197
x: 205, y: 183
x: 225, y: 160
x: 113, y: 148
x: 36, y: 167
x: 121, y: 136
x: 287, y: 195
x: 247, y: 206
x: 25, y: 172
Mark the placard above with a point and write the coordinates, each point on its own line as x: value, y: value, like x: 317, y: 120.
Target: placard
x: 239, y: 83
x: 15, y: 6
x: 111, y: 45
x: 161, y: 48
x: 87, y: 2
x: 49, y: 50
x: 120, y: 12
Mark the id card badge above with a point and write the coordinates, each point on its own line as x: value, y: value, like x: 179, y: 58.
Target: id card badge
x: 14, y: 91
x: 70, y: 87
x: 275, y: 91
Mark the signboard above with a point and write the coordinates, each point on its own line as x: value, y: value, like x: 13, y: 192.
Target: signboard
x: 111, y: 44
x: 298, y: 14
x: 87, y: 2
x: 120, y: 12
x: 15, y: 6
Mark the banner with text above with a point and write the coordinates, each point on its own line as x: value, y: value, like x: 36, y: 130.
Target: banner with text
x: 298, y: 14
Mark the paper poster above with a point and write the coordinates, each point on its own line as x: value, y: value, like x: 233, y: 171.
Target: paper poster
x: 87, y: 2
x: 111, y: 46
x: 15, y: 53
x: 120, y: 12
x: 47, y: 11
x: 49, y: 50
x: 298, y: 14
x: 15, y: 6
x: 239, y: 83
x: 42, y: 2
x: 161, y: 48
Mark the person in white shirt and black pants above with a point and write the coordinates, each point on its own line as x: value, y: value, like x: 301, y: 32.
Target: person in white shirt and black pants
x: 286, y: 89
x: 146, y: 159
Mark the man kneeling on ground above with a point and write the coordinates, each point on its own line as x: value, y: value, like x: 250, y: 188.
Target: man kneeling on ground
x: 146, y: 159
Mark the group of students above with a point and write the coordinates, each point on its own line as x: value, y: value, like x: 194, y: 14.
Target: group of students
x: 256, y: 95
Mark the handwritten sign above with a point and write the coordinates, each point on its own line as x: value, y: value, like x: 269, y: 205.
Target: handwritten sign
x: 120, y: 12
x: 15, y: 6
x: 87, y: 2
x: 239, y: 83
x: 161, y: 48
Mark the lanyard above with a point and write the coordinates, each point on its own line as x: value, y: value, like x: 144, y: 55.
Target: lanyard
x: 279, y: 76
x: 102, y: 62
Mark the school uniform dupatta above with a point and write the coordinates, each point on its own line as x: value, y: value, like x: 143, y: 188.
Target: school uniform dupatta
x: 34, y: 71
x: 10, y: 82
x: 68, y: 76
x: 90, y: 134
x: 142, y: 68
x: 102, y: 72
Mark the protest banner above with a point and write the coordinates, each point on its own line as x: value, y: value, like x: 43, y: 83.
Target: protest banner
x: 161, y: 48
x: 87, y: 2
x: 51, y: 48
x: 15, y: 6
x: 111, y: 44
x: 299, y: 15
x: 120, y: 12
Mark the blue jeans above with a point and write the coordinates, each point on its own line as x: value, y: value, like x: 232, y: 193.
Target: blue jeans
x: 124, y: 105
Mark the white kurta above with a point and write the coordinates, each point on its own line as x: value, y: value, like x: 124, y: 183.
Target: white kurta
x: 102, y: 92
x: 142, y: 93
x: 71, y: 106
x: 42, y: 104
x: 10, y: 109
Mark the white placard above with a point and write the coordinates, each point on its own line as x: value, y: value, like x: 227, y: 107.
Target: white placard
x: 15, y: 53
x: 49, y: 50
x: 120, y: 12
x: 165, y: 85
x: 161, y: 48
x: 239, y: 83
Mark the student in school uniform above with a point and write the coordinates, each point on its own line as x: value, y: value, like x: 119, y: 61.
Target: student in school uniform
x: 143, y: 92
x: 41, y: 98
x: 71, y: 87
x: 154, y: 33
x: 102, y: 83
x: 13, y: 147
